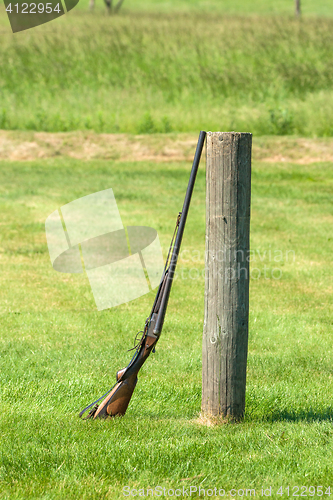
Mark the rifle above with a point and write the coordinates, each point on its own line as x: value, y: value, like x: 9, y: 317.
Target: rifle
x: 117, y: 398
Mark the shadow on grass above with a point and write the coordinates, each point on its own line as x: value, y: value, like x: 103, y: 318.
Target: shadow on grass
x: 291, y: 415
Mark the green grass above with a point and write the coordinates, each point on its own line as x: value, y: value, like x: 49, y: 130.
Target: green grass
x: 58, y: 353
x: 309, y: 7
x: 146, y: 71
x: 261, y: 7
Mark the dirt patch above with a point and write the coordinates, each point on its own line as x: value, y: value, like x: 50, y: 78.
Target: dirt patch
x: 293, y: 150
x: 29, y: 146
x: 18, y: 146
x: 212, y: 421
x: 301, y: 161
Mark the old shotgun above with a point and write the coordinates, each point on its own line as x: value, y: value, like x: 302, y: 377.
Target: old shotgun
x: 116, y: 400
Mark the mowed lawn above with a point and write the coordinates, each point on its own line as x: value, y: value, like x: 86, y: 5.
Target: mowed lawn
x: 58, y: 352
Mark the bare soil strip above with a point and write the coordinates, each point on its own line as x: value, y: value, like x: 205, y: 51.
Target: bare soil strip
x: 29, y: 146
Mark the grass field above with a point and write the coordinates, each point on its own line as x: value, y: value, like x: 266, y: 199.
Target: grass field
x: 212, y: 66
x: 58, y: 353
x: 74, y: 95
x: 286, y: 7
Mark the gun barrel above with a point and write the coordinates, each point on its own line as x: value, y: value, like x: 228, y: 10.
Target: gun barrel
x: 179, y: 236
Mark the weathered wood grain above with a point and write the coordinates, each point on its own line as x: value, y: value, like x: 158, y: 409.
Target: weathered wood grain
x: 225, y: 333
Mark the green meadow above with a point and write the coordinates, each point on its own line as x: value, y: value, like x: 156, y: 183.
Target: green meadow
x: 157, y: 73
x: 58, y: 353
x: 172, y: 67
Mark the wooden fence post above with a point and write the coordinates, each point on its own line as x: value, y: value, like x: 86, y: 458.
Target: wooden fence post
x: 225, y: 333
x: 298, y: 8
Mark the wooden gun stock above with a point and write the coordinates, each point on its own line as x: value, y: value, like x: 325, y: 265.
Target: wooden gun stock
x: 118, y: 399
